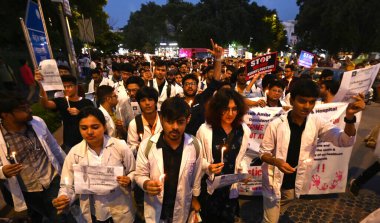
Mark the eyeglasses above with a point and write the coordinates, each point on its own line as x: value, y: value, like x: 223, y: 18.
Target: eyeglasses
x: 132, y: 90
x: 68, y: 86
x: 233, y: 110
x: 189, y: 84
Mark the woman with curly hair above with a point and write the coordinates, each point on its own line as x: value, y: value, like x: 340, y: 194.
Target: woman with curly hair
x: 224, y: 138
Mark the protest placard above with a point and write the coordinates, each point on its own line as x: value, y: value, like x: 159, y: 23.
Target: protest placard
x: 98, y: 180
x: 261, y: 64
x: 355, y: 82
x: 306, y: 59
x: 51, y: 78
x: 329, y: 165
x: 257, y: 120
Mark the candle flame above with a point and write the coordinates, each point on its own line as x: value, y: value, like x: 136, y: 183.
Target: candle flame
x: 162, y: 178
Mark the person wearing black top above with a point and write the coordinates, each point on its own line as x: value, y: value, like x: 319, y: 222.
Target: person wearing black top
x: 226, y: 134
x: 68, y: 107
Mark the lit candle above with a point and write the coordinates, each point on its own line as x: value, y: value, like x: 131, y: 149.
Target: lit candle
x: 66, y: 181
x: 190, y: 103
x: 162, y: 178
x: 141, y: 136
x: 68, y: 103
x: 222, y: 151
x: 14, y: 156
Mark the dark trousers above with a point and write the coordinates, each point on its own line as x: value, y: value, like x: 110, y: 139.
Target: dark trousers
x: 368, y: 174
x: 40, y: 205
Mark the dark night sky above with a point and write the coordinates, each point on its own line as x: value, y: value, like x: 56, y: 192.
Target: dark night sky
x: 119, y: 10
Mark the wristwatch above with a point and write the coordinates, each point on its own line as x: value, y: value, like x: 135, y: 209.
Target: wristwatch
x: 350, y: 121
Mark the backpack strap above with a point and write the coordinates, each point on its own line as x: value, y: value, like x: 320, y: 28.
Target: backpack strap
x: 139, y: 124
x: 196, y: 145
x: 148, y: 147
x: 168, y: 90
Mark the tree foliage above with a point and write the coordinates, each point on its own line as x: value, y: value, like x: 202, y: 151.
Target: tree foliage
x: 341, y: 25
x: 194, y: 25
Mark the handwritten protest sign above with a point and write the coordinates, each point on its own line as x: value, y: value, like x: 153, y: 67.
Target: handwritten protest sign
x: 49, y: 70
x: 262, y: 64
x: 306, y: 59
x: 225, y: 180
x: 355, y: 82
x: 98, y: 180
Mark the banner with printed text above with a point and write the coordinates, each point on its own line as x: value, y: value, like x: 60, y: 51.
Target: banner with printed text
x: 355, y: 82
x: 257, y: 120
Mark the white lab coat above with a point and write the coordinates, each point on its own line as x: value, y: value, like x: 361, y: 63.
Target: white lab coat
x: 189, y: 180
x: 276, y: 141
x: 115, y: 153
x: 110, y: 125
x: 133, y: 136
x: 105, y: 81
x: 53, y: 151
x: 204, y: 135
x: 163, y: 96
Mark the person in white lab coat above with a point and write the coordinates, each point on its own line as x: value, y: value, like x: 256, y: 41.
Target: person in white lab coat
x: 223, y: 133
x: 98, y: 149
x: 289, y: 144
x: 169, y: 167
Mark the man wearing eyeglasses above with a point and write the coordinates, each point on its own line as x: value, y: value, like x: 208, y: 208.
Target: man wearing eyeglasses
x: 30, y: 160
x: 68, y: 107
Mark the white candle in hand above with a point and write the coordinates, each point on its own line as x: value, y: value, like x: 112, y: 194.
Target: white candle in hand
x: 162, y: 180
x: 222, y: 151
x: 67, y: 185
x: 68, y: 103
x: 14, y: 156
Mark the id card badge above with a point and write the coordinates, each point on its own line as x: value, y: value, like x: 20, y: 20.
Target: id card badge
x: 135, y: 108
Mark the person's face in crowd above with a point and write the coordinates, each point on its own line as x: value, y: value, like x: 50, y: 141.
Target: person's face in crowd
x: 92, y: 130
x: 323, y: 91
x: 302, y: 106
x: 147, y: 75
x: 132, y: 90
x: 160, y: 72
x: 70, y: 89
x: 97, y: 77
x: 63, y: 72
x: 275, y: 93
x: 125, y: 75
x: 288, y: 73
x: 116, y: 74
x: 210, y: 74
x: 178, y: 79
x: 190, y: 88
x: 228, y: 74
x: 170, y: 78
x: 21, y: 114
x: 174, y: 130
x: 241, y: 78
x: 113, y: 99
x: 147, y: 105
x: 279, y: 74
x: 229, y: 113
x: 183, y: 69
x: 172, y: 67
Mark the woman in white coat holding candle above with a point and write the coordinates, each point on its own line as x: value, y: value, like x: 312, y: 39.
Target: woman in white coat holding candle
x: 225, y: 139
x: 98, y: 149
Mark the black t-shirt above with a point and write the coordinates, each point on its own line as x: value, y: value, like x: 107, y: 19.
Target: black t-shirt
x: 219, y: 138
x: 293, y: 152
x: 71, y: 134
x: 172, y: 163
x: 199, y: 106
